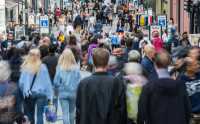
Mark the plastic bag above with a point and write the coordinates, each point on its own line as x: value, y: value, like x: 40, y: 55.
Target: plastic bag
x: 53, y: 114
x: 132, y: 95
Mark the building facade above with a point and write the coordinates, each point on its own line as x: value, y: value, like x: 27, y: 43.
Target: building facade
x: 180, y: 16
x: 174, y: 9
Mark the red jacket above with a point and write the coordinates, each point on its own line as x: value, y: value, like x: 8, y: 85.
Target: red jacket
x: 58, y: 12
x: 158, y: 43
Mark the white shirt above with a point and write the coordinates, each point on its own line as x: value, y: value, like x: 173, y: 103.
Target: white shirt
x: 69, y: 28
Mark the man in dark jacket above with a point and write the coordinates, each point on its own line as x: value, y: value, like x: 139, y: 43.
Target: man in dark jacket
x: 101, y: 97
x: 164, y: 100
x: 78, y: 21
x: 51, y: 61
x: 148, y: 62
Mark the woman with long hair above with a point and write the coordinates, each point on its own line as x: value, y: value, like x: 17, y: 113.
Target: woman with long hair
x: 35, y: 85
x: 66, y: 82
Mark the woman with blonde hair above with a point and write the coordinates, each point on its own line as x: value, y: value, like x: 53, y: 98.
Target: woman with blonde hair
x: 66, y: 82
x: 35, y: 85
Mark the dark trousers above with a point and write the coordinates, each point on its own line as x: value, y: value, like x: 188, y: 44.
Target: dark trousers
x: 130, y: 122
x: 114, y: 46
x: 29, y: 109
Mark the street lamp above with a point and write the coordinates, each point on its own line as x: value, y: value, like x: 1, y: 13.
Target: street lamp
x: 26, y: 17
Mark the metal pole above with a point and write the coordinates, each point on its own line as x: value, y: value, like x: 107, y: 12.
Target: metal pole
x: 192, y: 21
x: 179, y: 16
x: 161, y: 6
x: 18, y: 10
x: 26, y: 17
x: 36, y: 3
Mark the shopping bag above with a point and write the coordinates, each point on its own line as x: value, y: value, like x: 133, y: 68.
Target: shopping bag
x: 132, y: 96
x: 53, y: 114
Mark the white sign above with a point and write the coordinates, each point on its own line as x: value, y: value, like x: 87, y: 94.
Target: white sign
x: 31, y: 19
x: 37, y: 20
x: 150, y: 12
x: 2, y: 15
x: 195, y: 39
x: 19, y: 32
x: 162, y: 21
x: 44, y: 24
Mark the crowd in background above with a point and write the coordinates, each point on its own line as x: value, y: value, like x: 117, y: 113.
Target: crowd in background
x: 101, y: 77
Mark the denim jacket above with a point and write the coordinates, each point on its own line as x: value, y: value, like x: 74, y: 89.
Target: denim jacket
x: 66, y: 82
x: 41, y: 86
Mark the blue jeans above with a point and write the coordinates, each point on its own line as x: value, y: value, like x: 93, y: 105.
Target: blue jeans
x: 68, y: 109
x: 29, y: 109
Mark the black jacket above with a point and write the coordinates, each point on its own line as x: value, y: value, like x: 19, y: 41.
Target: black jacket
x: 51, y: 63
x: 164, y: 101
x: 101, y: 100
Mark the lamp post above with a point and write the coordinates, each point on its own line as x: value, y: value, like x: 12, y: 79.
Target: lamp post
x: 18, y: 11
x: 26, y: 17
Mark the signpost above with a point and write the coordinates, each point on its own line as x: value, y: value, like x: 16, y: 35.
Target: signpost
x: 44, y: 24
x: 2, y: 15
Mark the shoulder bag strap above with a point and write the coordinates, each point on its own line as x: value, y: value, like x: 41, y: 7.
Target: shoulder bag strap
x: 32, y: 83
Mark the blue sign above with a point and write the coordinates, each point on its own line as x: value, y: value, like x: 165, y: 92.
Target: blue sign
x: 162, y: 21
x: 44, y: 23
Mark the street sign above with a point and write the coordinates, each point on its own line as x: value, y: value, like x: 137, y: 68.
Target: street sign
x: 162, y: 21
x: 44, y: 24
x: 2, y: 15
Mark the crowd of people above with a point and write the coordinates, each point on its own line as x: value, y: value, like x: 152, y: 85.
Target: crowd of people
x: 100, y: 77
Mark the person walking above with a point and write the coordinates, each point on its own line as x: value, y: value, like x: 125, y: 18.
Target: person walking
x: 164, y: 100
x: 35, y: 85
x: 157, y: 41
x: 66, y: 82
x: 148, y: 61
x: 101, y: 97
